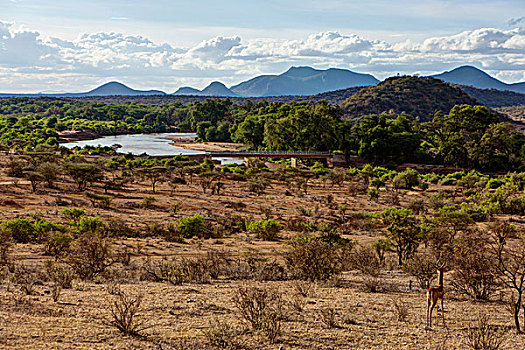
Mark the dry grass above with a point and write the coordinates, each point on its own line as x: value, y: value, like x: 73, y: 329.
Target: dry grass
x: 188, y: 293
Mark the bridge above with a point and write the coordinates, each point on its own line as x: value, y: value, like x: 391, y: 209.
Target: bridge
x: 270, y: 154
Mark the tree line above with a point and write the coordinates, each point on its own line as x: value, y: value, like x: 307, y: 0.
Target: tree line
x: 468, y: 136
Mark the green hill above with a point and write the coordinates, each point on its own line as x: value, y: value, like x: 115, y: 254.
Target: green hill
x: 417, y: 96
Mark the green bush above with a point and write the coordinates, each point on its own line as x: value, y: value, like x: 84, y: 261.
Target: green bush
x: 89, y: 224
x: 449, y: 182
x: 192, y: 226
x: 374, y: 194
x: 58, y: 242
x: 25, y: 230
x: 73, y: 213
x: 20, y: 229
x: 495, y: 183
x: 265, y: 229
x: 406, y: 179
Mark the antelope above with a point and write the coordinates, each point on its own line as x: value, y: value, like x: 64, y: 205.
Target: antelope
x: 434, y: 294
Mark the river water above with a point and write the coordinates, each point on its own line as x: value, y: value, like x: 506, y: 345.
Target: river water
x: 158, y: 145
x: 151, y: 144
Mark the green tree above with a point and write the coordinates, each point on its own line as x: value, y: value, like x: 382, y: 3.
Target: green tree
x: 153, y: 174
x: 403, y: 232
x: 83, y: 173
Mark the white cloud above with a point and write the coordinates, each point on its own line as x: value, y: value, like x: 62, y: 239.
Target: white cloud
x: 28, y: 59
x: 485, y: 40
x: 19, y: 47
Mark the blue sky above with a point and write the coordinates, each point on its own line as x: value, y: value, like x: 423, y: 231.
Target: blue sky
x: 75, y: 45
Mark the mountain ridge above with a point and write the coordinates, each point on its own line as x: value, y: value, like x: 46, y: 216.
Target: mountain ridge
x: 302, y: 81
x: 296, y: 81
x: 472, y: 76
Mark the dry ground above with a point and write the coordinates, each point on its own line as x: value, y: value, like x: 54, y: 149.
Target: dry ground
x: 179, y: 316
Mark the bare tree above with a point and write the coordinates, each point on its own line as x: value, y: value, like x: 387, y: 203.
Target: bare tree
x: 510, y: 255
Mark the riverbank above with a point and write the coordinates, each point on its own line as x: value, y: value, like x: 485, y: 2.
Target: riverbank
x: 209, y: 146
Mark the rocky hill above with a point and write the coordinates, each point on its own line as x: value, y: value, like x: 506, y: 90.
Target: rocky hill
x: 417, y: 96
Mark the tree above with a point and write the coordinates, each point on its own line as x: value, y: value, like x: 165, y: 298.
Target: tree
x: 153, y: 174
x: 510, y: 257
x: 461, y: 130
x: 49, y: 172
x: 499, y: 148
x: 34, y: 178
x: 403, y: 232
x: 83, y: 173
x: 251, y: 131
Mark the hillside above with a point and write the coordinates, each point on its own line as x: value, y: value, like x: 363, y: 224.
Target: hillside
x: 472, y: 76
x: 495, y: 98
x: 417, y: 96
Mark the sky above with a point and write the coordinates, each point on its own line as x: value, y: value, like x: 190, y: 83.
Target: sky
x: 65, y: 45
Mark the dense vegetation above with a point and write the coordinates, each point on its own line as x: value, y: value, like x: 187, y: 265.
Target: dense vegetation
x: 419, y: 97
x: 464, y: 136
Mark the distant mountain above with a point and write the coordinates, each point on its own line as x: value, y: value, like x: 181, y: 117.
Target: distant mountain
x: 472, y: 76
x: 417, y: 96
x: 109, y: 89
x: 302, y: 81
x: 118, y: 89
x: 187, y: 91
x: 215, y: 89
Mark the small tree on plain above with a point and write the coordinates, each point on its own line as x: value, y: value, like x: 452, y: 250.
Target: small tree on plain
x: 83, y: 173
x: 403, y: 232
x: 153, y: 174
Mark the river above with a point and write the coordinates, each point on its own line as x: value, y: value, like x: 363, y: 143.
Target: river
x: 158, y: 145
x: 152, y: 144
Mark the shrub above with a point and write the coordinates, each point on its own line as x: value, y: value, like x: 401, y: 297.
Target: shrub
x: 365, y: 260
x: 148, y: 202
x: 223, y: 335
x: 262, y: 308
x: 328, y: 317
x: 60, y: 274
x: 88, y: 224
x: 73, y: 213
x: 90, y: 254
x: 265, y: 229
x: 483, y: 336
x: 192, y: 226
x: 406, y: 179
x: 495, y: 183
x: 401, y: 310
x: 258, y: 185
x: 417, y: 206
x: 99, y: 200
x: 403, y: 232
x: 475, y: 269
x: 58, y: 242
x: 15, y: 168
x: 312, y: 258
x: 124, y: 311
x: 5, y: 245
x: 381, y: 246
x: 374, y: 194
x: 375, y: 182
x: 20, y: 229
x: 163, y: 271
x: 423, y: 268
